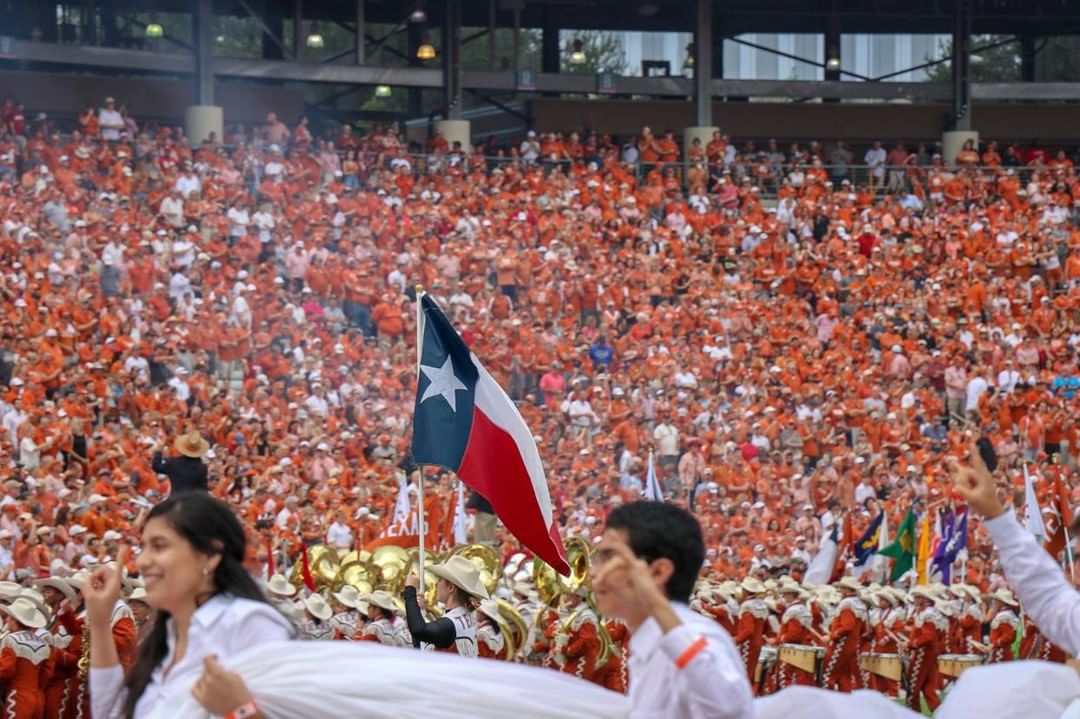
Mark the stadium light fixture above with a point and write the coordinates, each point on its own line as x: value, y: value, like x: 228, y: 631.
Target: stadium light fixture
x: 832, y: 64
x: 383, y: 91
x: 154, y: 29
x: 688, y: 63
x: 418, y: 16
x: 577, y: 52
x: 314, y: 38
x: 426, y: 51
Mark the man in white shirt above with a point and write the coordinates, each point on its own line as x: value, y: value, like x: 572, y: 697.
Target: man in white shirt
x: 1045, y: 594
x: 1008, y: 378
x: 875, y: 160
x: 110, y: 121
x: 975, y: 388
x: 666, y: 436
x: 339, y: 535
x: 681, y: 665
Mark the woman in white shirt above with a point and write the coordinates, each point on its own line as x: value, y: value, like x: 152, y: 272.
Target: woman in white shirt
x: 207, y: 608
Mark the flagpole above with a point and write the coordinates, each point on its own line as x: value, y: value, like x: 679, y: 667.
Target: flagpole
x: 1068, y: 551
x: 420, y: 467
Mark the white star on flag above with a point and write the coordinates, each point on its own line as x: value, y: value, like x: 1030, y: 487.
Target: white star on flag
x: 442, y: 381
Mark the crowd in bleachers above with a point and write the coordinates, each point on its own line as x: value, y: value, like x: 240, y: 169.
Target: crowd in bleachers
x: 784, y: 364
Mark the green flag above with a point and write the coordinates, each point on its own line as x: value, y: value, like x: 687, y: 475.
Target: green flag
x: 902, y: 548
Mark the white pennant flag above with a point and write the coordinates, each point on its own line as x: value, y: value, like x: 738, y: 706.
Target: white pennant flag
x: 653, y: 491
x: 1033, y: 521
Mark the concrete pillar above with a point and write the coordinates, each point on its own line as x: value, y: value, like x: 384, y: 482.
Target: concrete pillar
x: 952, y: 142
x: 204, y: 53
x: 701, y: 132
x: 456, y: 131
x: 703, y: 52
x: 201, y: 120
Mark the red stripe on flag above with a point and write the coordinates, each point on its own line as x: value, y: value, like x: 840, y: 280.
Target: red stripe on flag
x: 492, y: 465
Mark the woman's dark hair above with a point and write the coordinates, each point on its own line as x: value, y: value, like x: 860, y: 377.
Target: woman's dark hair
x: 655, y: 530
x: 210, y: 527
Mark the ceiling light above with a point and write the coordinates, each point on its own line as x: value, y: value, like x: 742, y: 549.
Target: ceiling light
x: 383, y: 91
x: 314, y: 38
x: 832, y: 64
x: 418, y: 16
x: 426, y: 51
x: 155, y: 30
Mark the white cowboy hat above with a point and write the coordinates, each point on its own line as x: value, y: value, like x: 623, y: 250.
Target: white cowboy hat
x: 78, y: 579
x: 349, y: 596
x: 59, y: 584
x: 138, y: 594
x: 279, y: 586
x: 36, y: 597
x: 849, y: 583
x: 25, y: 613
x: 383, y: 600
x: 1005, y: 597
x: 462, y: 573
x: 317, y: 607
x: 9, y: 591
x: 924, y: 592
x: 752, y: 586
x: 490, y: 608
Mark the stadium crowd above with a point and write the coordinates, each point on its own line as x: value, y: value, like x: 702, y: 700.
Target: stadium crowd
x: 787, y: 364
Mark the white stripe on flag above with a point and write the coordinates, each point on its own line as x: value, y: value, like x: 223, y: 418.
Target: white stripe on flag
x: 490, y: 399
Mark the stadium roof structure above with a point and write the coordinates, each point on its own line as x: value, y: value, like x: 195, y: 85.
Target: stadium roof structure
x: 38, y: 40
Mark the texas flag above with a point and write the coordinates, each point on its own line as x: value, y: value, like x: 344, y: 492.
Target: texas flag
x: 464, y: 422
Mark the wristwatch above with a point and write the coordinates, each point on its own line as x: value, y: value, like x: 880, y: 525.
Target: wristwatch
x: 244, y: 711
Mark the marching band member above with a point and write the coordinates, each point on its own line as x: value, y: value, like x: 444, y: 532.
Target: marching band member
x: 59, y: 596
x: 841, y: 663
x: 349, y: 612
x: 459, y: 587
x: 1038, y: 580
x: 1003, y: 626
x: 490, y: 642
x: 750, y: 629
x: 796, y: 627
x: 613, y: 673
x: 924, y: 642
x: 969, y: 624
x: 318, y: 613
x: 577, y: 646
x: 891, y: 625
x: 681, y: 665
x: 25, y: 663
x: 380, y: 625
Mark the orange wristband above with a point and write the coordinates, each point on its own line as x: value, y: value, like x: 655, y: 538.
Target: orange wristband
x: 690, y: 652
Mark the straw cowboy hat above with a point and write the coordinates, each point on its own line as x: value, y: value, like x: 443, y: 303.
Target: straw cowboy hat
x: 924, y: 592
x: 317, y: 607
x: 752, y: 586
x: 462, y: 573
x: 9, y: 591
x: 383, y: 600
x: 138, y: 595
x: 1005, y: 597
x: 191, y: 445
x: 59, y: 584
x: 349, y: 596
x: 25, y: 613
x: 279, y: 586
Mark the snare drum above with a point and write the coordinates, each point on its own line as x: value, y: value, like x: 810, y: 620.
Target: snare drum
x: 884, y: 665
x: 802, y: 656
x: 766, y: 661
x: 953, y: 665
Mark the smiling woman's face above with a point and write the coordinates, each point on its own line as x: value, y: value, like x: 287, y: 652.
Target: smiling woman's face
x: 171, y: 567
